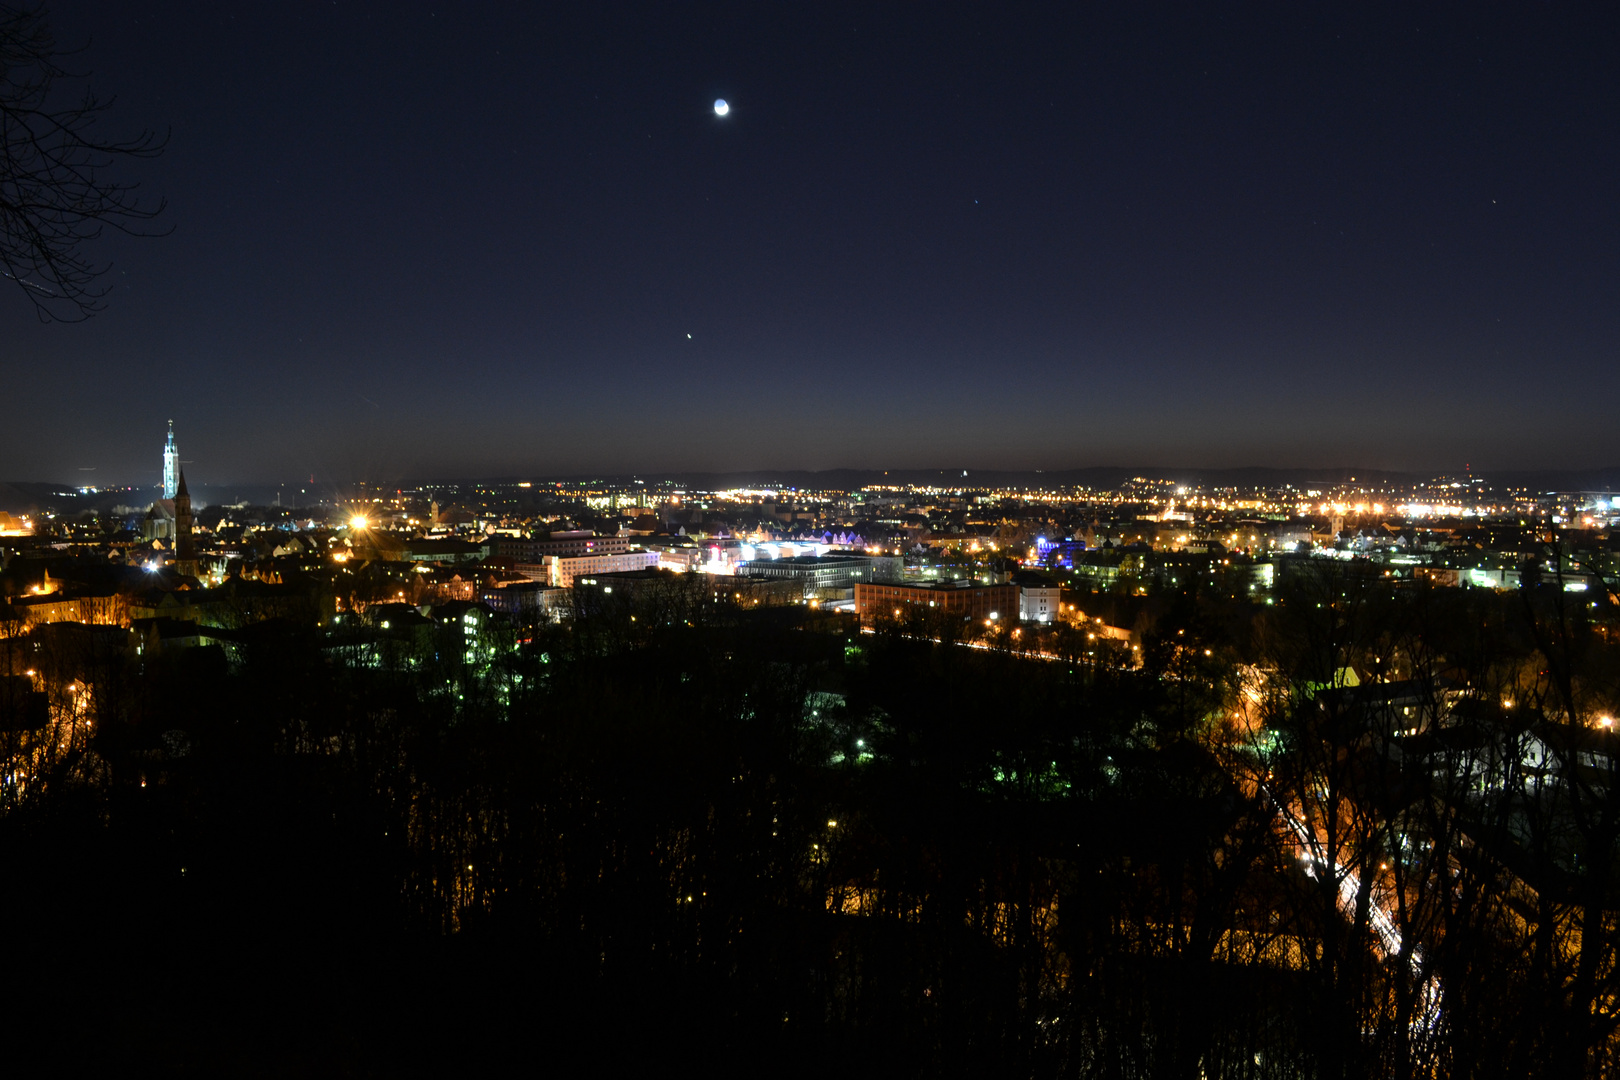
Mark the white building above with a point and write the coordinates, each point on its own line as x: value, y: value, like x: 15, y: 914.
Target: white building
x: 1039, y: 603
x: 559, y: 571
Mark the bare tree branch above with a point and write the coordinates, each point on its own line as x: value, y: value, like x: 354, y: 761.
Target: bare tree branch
x: 57, y: 194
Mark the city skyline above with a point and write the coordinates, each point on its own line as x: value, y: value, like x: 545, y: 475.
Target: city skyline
x: 1376, y: 239
x: 330, y: 488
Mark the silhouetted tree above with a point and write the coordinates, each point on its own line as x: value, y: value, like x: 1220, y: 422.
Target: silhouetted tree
x: 57, y: 189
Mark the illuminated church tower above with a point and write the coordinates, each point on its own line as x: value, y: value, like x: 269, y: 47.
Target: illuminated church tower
x: 185, y: 548
x: 171, y: 465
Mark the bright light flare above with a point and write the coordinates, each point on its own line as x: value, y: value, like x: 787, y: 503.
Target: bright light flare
x: 720, y: 107
x: 359, y: 522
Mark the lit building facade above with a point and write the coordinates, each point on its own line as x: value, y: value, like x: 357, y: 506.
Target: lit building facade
x: 559, y: 571
x: 561, y: 544
x: 821, y: 572
x: 1039, y: 603
x: 171, y: 465
x: 877, y: 602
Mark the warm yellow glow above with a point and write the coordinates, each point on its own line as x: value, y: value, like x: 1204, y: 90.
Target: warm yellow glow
x: 359, y: 522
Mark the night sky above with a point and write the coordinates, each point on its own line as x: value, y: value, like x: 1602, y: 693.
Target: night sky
x: 431, y: 241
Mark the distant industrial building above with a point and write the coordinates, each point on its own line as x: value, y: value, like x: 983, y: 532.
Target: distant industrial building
x: 876, y: 602
x: 560, y: 544
x: 528, y: 601
x: 445, y: 551
x: 604, y: 592
x: 560, y: 571
x: 821, y: 573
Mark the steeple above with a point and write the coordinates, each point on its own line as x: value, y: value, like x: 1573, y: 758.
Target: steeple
x: 185, y: 548
x: 171, y: 465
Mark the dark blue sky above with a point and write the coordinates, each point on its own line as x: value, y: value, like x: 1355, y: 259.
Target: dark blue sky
x: 444, y: 240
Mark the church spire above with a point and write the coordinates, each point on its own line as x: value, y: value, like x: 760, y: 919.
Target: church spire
x: 171, y: 465
x: 185, y: 548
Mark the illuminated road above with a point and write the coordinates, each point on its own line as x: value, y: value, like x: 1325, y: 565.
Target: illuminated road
x: 1379, y: 915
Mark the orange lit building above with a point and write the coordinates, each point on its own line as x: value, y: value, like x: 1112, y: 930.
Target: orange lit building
x: 876, y: 602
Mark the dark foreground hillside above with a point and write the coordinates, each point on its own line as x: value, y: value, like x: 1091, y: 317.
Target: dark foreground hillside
x: 758, y: 845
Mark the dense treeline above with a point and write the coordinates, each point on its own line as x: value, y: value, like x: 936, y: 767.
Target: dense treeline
x: 1360, y: 832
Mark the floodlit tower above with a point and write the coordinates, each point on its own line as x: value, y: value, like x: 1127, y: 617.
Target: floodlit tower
x: 171, y: 465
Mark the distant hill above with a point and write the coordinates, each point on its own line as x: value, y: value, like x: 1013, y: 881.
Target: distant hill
x: 29, y: 497
x: 24, y: 497
x: 1111, y: 477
